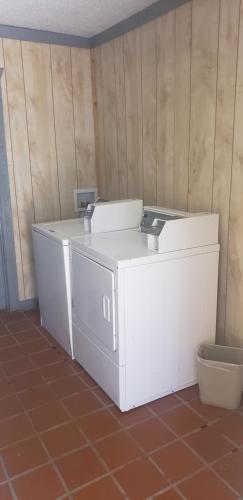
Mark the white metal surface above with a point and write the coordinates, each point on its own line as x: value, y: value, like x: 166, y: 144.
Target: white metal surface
x: 53, y: 269
x: 165, y: 306
x: 113, y: 216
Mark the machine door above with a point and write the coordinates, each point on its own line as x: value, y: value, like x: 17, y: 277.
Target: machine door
x: 94, y: 300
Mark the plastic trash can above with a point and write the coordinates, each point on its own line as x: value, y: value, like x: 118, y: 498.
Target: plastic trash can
x: 220, y: 375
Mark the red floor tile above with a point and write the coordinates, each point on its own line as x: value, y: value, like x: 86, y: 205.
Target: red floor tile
x: 177, y: 461
x: 230, y: 468
x: 41, y: 484
x: 7, y: 341
x: 24, y: 456
x: 46, y: 357
x: 103, y: 489
x: 80, y: 467
x: 189, y: 393
x: 205, y: 486
x: 209, y: 444
x: 55, y: 371
x: 5, y: 388
x: 11, y: 353
x: 27, y: 380
x: 162, y: 405
x: 183, y: 420
x: 151, y: 434
x: 141, y: 479
x: 19, y: 326
x: 210, y: 413
x: 118, y: 449
x: 103, y: 396
x: 169, y: 495
x: 90, y: 382
x: 232, y: 427
x: 39, y: 396
x: 98, y: 425
x: 128, y: 418
x: 67, y: 386
x: 14, y: 429
x: 10, y: 406
x: 48, y: 416
x: 17, y: 366
x: 27, y: 336
x: 50, y: 410
x: 3, y: 330
x: 5, y: 493
x: 2, y: 474
x: 34, y: 346
x: 81, y: 404
x: 63, y: 439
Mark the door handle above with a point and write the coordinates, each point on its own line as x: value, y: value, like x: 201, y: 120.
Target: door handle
x: 106, y: 308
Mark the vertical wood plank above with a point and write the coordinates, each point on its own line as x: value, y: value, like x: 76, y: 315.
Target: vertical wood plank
x: 234, y: 310
x: 64, y: 127
x: 132, y: 55
x: 12, y: 186
x: 83, y: 117
x: 39, y: 104
x: 182, y: 104
x: 110, y: 122
x: 205, y: 23
x: 99, y: 124
x: 121, y: 116
x: 227, y: 61
x: 21, y: 162
x: 148, y: 46
x: 165, y: 27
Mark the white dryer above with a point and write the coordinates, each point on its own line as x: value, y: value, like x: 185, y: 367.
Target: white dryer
x: 149, y: 300
x: 52, y: 253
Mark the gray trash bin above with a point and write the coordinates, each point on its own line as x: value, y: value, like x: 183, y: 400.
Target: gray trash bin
x: 220, y: 375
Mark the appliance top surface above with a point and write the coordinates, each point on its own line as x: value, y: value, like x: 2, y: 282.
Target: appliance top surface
x: 115, y: 245
x: 61, y: 230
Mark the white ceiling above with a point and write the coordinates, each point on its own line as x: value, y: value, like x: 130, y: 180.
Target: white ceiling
x: 74, y: 17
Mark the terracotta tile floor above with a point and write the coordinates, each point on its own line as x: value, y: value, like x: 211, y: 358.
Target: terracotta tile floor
x: 61, y: 437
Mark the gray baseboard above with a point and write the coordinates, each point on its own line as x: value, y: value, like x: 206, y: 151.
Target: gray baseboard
x: 26, y: 305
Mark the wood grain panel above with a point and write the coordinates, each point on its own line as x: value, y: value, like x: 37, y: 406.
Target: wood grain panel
x: 165, y: 108
x: 39, y: 104
x: 205, y: 24
x: 133, y: 88
x: 21, y: 161
x: 182, y: 104
x: 148, y: 45
x: 234, y: 310
x: 110, y: 123
x: 64, y: 127
x: 99, y: 123
x: 227, y: 61
x: 11, y: 178
x: 83, y: 117
x: 121, y: 116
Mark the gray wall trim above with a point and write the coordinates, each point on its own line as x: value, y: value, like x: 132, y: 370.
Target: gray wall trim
x: 155, y: 10
x: 6, y: 221
x: 26, y: 305
x: 32, y: 35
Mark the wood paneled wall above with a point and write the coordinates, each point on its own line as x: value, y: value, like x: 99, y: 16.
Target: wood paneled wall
x: 169, y: 121
x: 48, y: 113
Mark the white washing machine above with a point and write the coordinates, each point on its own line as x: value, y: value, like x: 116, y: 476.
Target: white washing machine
x: 149, y: 300
x: 52, y: 255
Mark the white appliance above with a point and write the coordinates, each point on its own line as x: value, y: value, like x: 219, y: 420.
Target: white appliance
x: 52, y: 255
x: 149, y: 300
